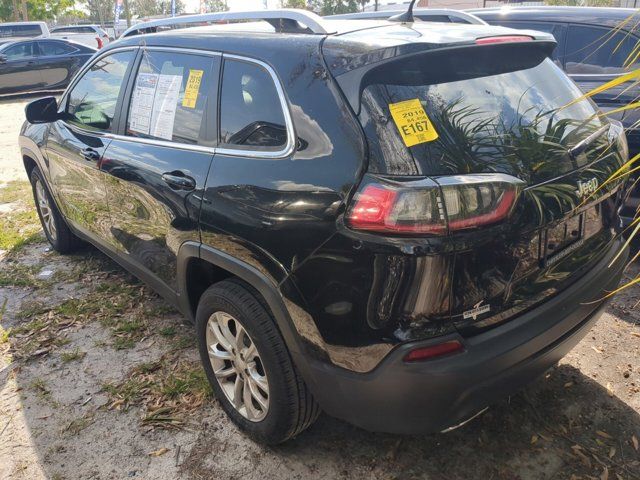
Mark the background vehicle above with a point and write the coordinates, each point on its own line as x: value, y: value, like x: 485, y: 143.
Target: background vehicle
x: 90, y: 35
x: 21, y: 30
x: 444, y: 15
x: 41, y: 64
x: 349, y: 227
x: 593, y: 46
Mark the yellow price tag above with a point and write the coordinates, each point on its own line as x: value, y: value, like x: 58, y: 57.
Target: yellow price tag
x: 192, y: 88
x: 412, y: 122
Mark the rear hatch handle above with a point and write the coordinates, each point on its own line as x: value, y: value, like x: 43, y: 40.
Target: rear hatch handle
x: 582, y: 145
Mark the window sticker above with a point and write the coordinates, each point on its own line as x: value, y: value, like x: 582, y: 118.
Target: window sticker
x: 154, y: 104
x: 142, y: 103
x: 192, y: 89
x: 412, y: 122
x: 165, y: 105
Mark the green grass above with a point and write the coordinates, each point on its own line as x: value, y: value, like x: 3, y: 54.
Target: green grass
x: 76, y: 426
x: 189, y: 381
x: 19, y: 229
x: 164, y: 386
x: 19, y: 226
x: 129, y: 326
x: 129, y: 391
x: 39, y: 386
x: 17, y: 275
x: 167, y: 331
x: 16, y: 191
x: 124, y: 343
x: 72, y: 355
x: 148, y: 367
x: 4, y: 335
x: 183, y: 341
x: 33, y: 326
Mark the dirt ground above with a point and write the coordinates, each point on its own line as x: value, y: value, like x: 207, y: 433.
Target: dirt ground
x: 99, y: 379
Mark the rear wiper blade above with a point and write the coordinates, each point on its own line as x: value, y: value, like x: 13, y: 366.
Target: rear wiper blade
x: 582, y: 145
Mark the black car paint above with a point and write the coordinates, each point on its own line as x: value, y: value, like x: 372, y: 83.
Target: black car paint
x: 342, y: 299
x: 41, y: 72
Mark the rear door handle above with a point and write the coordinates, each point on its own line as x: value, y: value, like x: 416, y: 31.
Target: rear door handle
x: 178, y: 180
x: 90, y: 154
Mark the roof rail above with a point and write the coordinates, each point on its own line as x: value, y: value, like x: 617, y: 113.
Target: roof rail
x: 463, y: 16
x: 283, y: 20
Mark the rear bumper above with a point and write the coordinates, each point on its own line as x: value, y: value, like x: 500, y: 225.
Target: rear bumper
x: 431, y: 396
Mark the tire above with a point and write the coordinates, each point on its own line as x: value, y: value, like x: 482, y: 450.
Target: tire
x: 61, y: 238
x: 290, y: 406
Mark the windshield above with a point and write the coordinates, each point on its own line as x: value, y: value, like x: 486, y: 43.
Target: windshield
x: 520, y: 123
x: 20, y: 31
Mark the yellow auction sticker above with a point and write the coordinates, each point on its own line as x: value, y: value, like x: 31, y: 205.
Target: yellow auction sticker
x: 412, y: 122
x: 192, y: 88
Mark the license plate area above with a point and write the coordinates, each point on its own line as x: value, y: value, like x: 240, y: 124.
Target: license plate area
x: 559, y: 241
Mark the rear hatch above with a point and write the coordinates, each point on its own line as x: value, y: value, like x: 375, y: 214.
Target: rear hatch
x: 512, y: 165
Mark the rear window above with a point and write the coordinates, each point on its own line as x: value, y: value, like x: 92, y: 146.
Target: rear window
x: 20, y: 31
x: 520, y: 122
x: 74, y: 30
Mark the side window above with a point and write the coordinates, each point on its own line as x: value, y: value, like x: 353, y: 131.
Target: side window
x: 20, y: 51
x: 92, y: 102
x: 54, y: 48
x: 595, y: 50
x: 435, y: 18
x: 171, y: 98
x: 250, y: 110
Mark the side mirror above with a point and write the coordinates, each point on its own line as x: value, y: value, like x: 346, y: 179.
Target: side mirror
x: 43, y: 110
x: 3, y: 59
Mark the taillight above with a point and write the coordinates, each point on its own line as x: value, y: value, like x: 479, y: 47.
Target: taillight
x: 435, y: 207
x: 99, y: 42
x: 503, y: 39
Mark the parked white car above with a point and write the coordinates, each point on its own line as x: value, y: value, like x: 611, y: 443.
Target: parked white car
x: 21, y: 30
x: 91, y: 35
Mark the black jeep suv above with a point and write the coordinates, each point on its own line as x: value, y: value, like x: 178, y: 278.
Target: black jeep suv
x: 395, y: 223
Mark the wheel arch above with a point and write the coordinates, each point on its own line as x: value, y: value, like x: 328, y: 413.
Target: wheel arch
x: 221, y: 266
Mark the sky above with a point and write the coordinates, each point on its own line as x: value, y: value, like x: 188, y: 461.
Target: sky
x: 192, y: 6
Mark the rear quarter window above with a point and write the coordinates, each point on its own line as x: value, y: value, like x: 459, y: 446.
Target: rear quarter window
x: 54, y: 48
x: 251, y: 115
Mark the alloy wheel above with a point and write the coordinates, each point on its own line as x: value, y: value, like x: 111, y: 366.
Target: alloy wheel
x: 237, y: 366
x: 44, y: 207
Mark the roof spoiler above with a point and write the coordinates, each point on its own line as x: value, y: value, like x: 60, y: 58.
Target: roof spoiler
x: 447, y: 64
x: 287, y: 20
